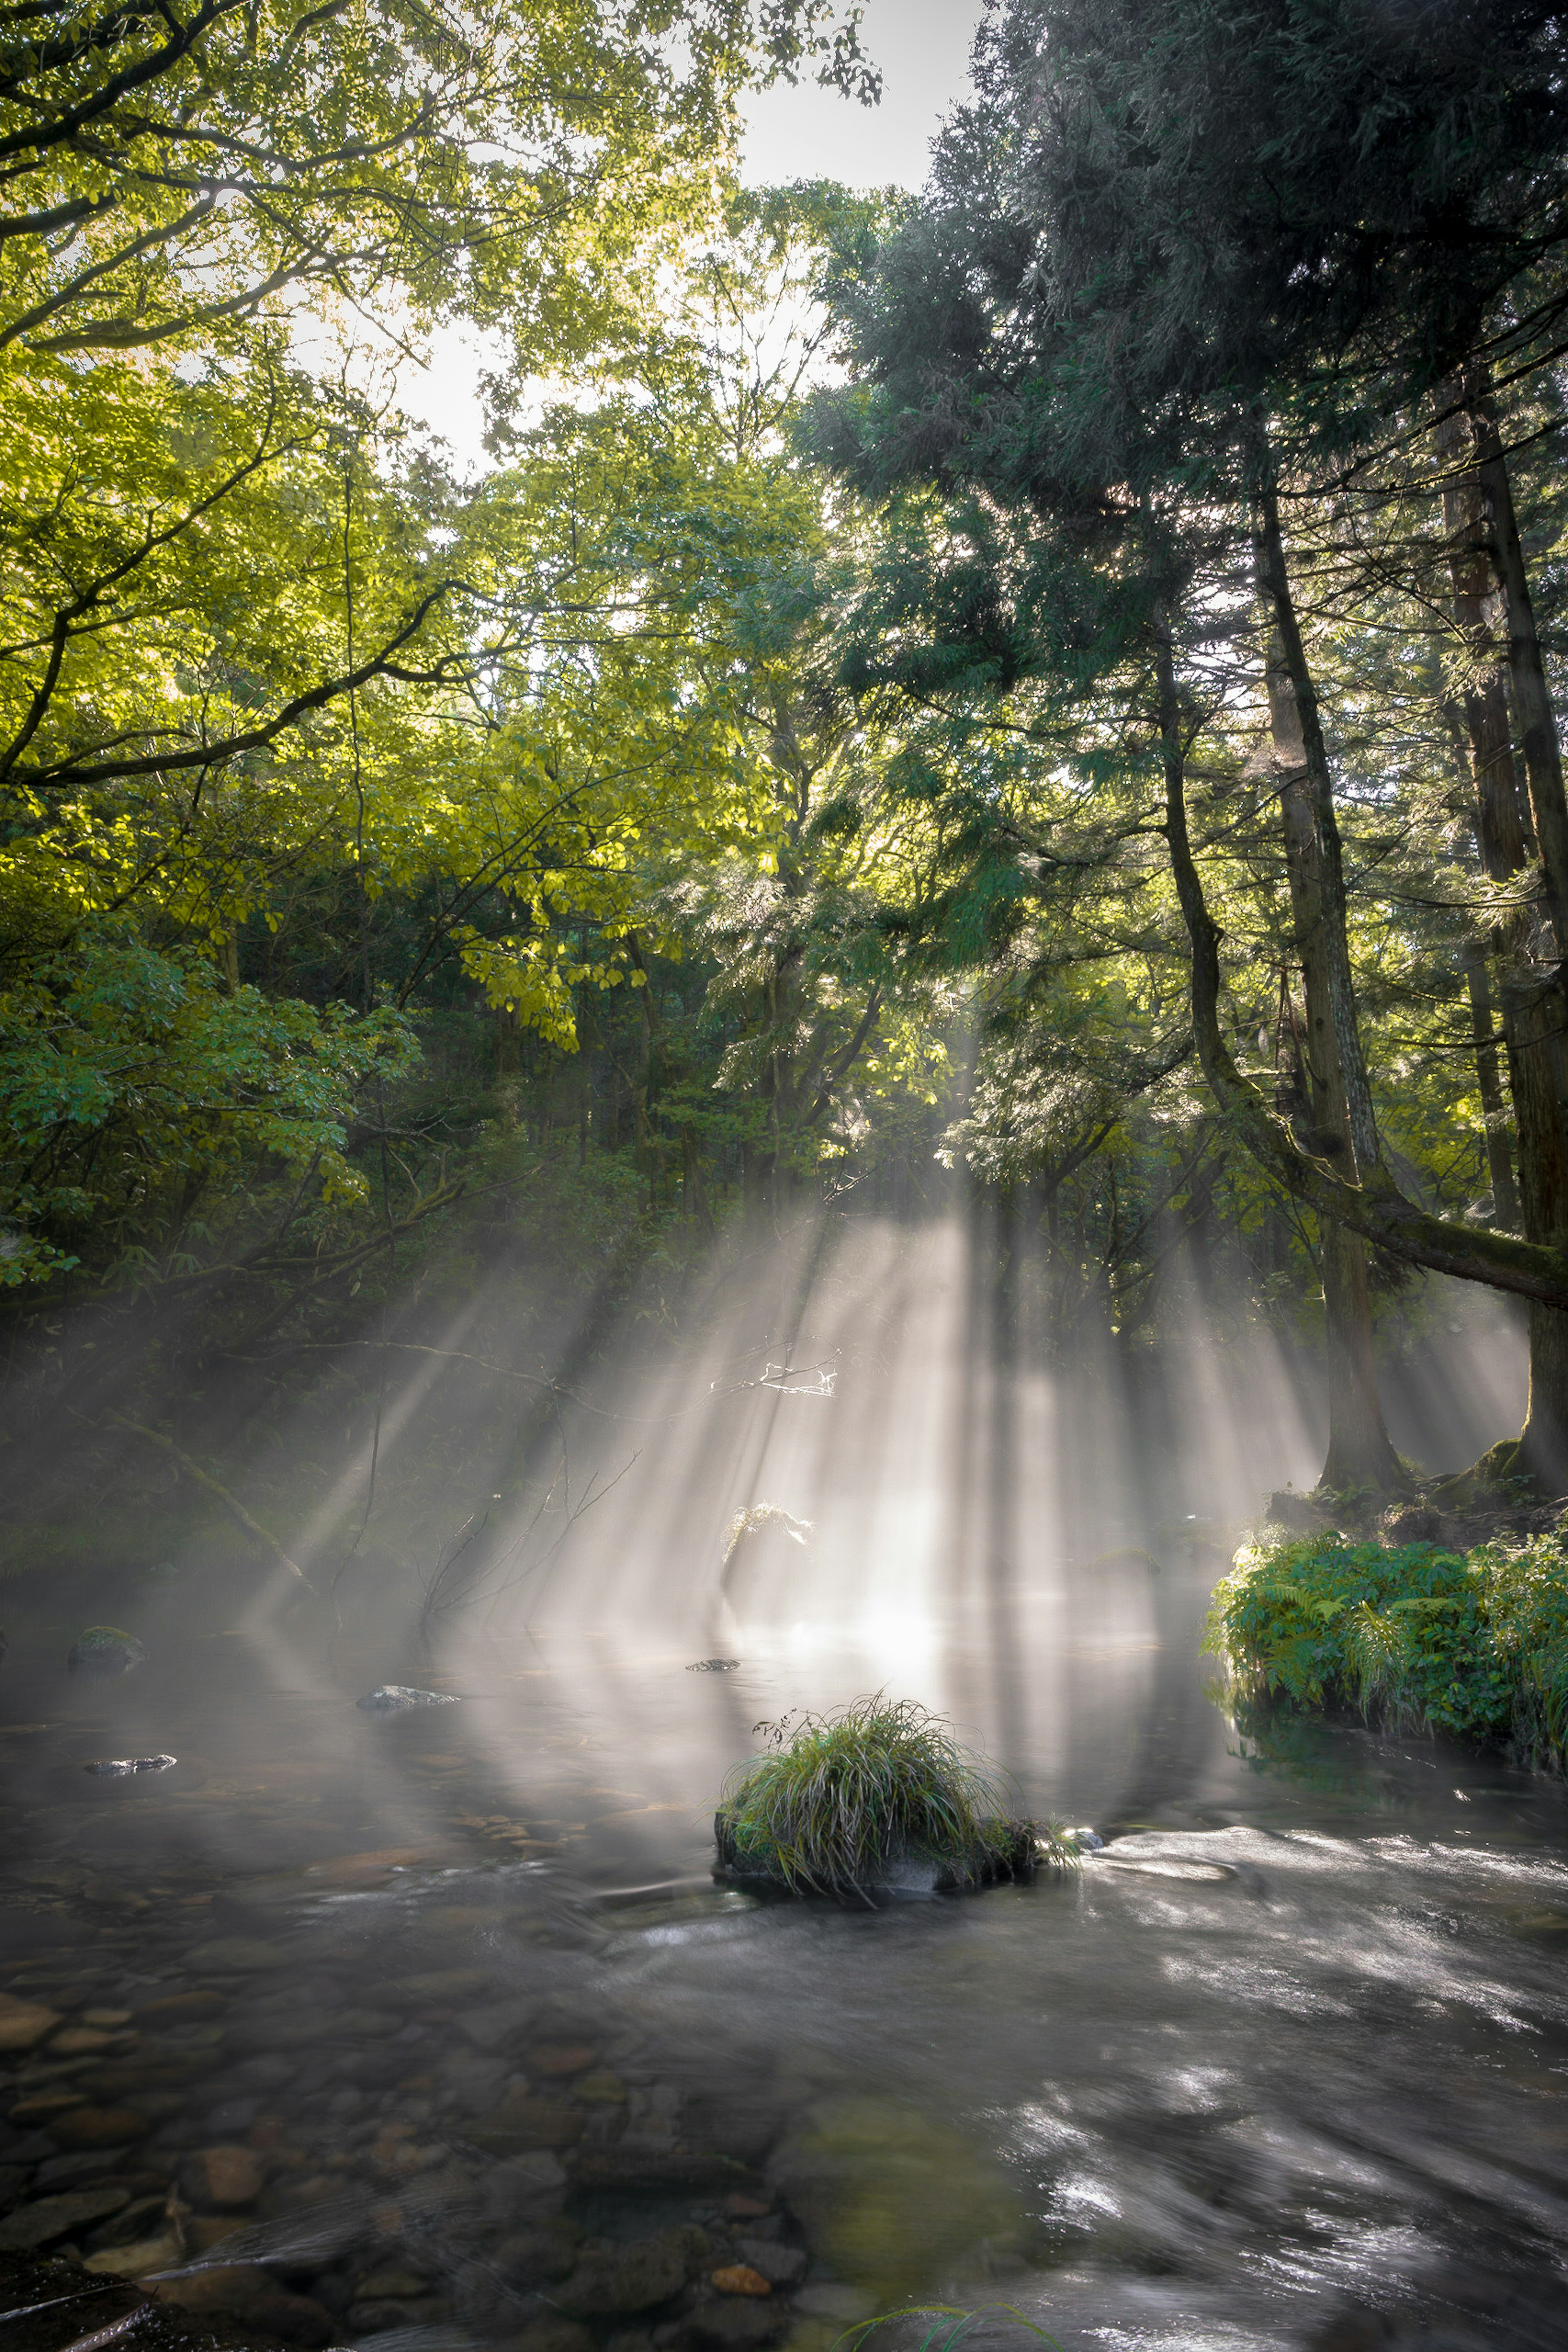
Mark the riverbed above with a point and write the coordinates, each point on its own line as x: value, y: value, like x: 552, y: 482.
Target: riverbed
x: 436, y: 2030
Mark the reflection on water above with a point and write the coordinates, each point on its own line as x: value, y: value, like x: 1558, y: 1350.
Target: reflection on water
x: 436, y: 2021
x: 431, y: 2030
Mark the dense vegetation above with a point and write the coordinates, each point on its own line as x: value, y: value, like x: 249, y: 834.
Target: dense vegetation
x: 1047, y: 689
x: 838, y: 1803
x: 1421, y: 1638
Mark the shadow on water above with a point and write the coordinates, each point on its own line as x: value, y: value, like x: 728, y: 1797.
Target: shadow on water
x: 431, y: 2029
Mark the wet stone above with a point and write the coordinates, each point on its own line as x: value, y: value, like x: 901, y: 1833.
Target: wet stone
x: 610, y: 2279
x: 98, y: 2127
x: 542, y: 2254
x: 739, y: 2278
x: 553, y: 2336
x: 50, y: 2219
x: 104, y: 1651
x: 238, y: 1956
x: 520, y: 2123
x: 245, y: 2293
x: 25, y: 2023
x: 224, y: 2176
x: 400, y: 1698
x: 780, y: 2266
x: 734, y: 2323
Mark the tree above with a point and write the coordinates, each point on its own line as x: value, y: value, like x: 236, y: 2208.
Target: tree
x: 1137, y: 301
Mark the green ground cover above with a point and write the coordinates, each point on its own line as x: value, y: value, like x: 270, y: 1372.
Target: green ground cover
x: 1417, y: 1636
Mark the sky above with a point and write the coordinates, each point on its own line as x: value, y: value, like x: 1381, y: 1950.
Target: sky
x: 921, y: 49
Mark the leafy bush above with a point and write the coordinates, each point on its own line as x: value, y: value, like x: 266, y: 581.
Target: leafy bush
x: 837, y: 1801
x: 1474, y: 1644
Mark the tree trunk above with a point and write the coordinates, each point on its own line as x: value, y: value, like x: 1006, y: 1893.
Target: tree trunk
x: 1489, y: 1078
x: 1531, y: 697
x: 1275, y: 582
x: 1360, y: 1450
x: 1483, y: 546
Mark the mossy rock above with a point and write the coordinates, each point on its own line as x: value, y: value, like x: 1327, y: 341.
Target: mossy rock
x: 1013, y: 1851
x: 103, y: 1651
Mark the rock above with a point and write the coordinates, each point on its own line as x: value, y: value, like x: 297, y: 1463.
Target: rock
x: 143, y: 2256
x: 502, y: 2022
x: 110, y: 2020
x: 741, y: 2126
x: 602, y: 2089
x: 205, y: 2230
x: 1090, y: 1840
x: 739, y: 2278
x: 553, y: 2336
x: 119, y: 1768
x: 1420, y: 1523
x: 828, y: 2300
x: 736, y: 2324
x: 747, y: 2209
x: 655, y: 2171
x: 1299, y: 1515
x: 394, y: 2282
x: 611, y: 2279
x: 519, y: 2123
x: 236, y: 1956
x: 532, y: 2180
x: 180, y: 2008
x: 50, y: 2218
x: 370, y: 2316
x: 546, y: 2253
x: 43, y: 2104
x: 224, y: 2176
x: 24, y: 2023
x: 80, y: 2041
x: 780, y: 2266
x: 714, y: 1666
x: 396, y: 1698
x: 559, y: 2058
x: 242, y: 2291
x: 98, y: 2127
x: 104, y: 1650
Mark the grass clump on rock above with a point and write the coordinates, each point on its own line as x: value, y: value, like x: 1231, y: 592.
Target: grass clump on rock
x: 838, y: 1803
x: 1473, y: 1643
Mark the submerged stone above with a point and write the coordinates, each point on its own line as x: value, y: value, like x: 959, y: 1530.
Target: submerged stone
x: 24, y: 2022
x: 397, y: 1698
x: 714, y: 1666
x: 119, y: 1768
x: 104, y: 1650
x: 52, y: 2218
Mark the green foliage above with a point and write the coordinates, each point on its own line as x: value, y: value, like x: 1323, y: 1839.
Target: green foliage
x: 1473, y: 1643
x: 134, y: 1086
x: 838, y: 1800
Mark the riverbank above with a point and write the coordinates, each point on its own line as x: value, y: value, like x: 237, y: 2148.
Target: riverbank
x: 1413, y: 1627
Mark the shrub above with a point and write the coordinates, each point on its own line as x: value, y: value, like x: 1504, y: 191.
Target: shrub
x: 837, y: 1802
x: 1473, y: 1643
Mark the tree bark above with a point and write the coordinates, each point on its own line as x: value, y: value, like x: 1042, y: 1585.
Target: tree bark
x: 1274, y: 581
x: 1484, y: 548
x: 1360, y: 1450
x: 1489, y: 1078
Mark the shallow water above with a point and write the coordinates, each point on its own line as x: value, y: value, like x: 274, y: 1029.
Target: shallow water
x: 1285, y: 2065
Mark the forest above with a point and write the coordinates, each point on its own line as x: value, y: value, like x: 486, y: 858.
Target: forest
x: 1039, y: 694
x: 783, y: 1176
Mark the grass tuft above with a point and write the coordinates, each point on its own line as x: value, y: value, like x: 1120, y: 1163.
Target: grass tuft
x: 1473, y: 1643
x: 835, y: 1803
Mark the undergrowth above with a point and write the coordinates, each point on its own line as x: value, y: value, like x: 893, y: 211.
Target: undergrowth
x: 835, y: 1803
x: 1473, y: 1643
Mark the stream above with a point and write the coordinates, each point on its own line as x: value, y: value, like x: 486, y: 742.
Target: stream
x: 434, y: 2030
